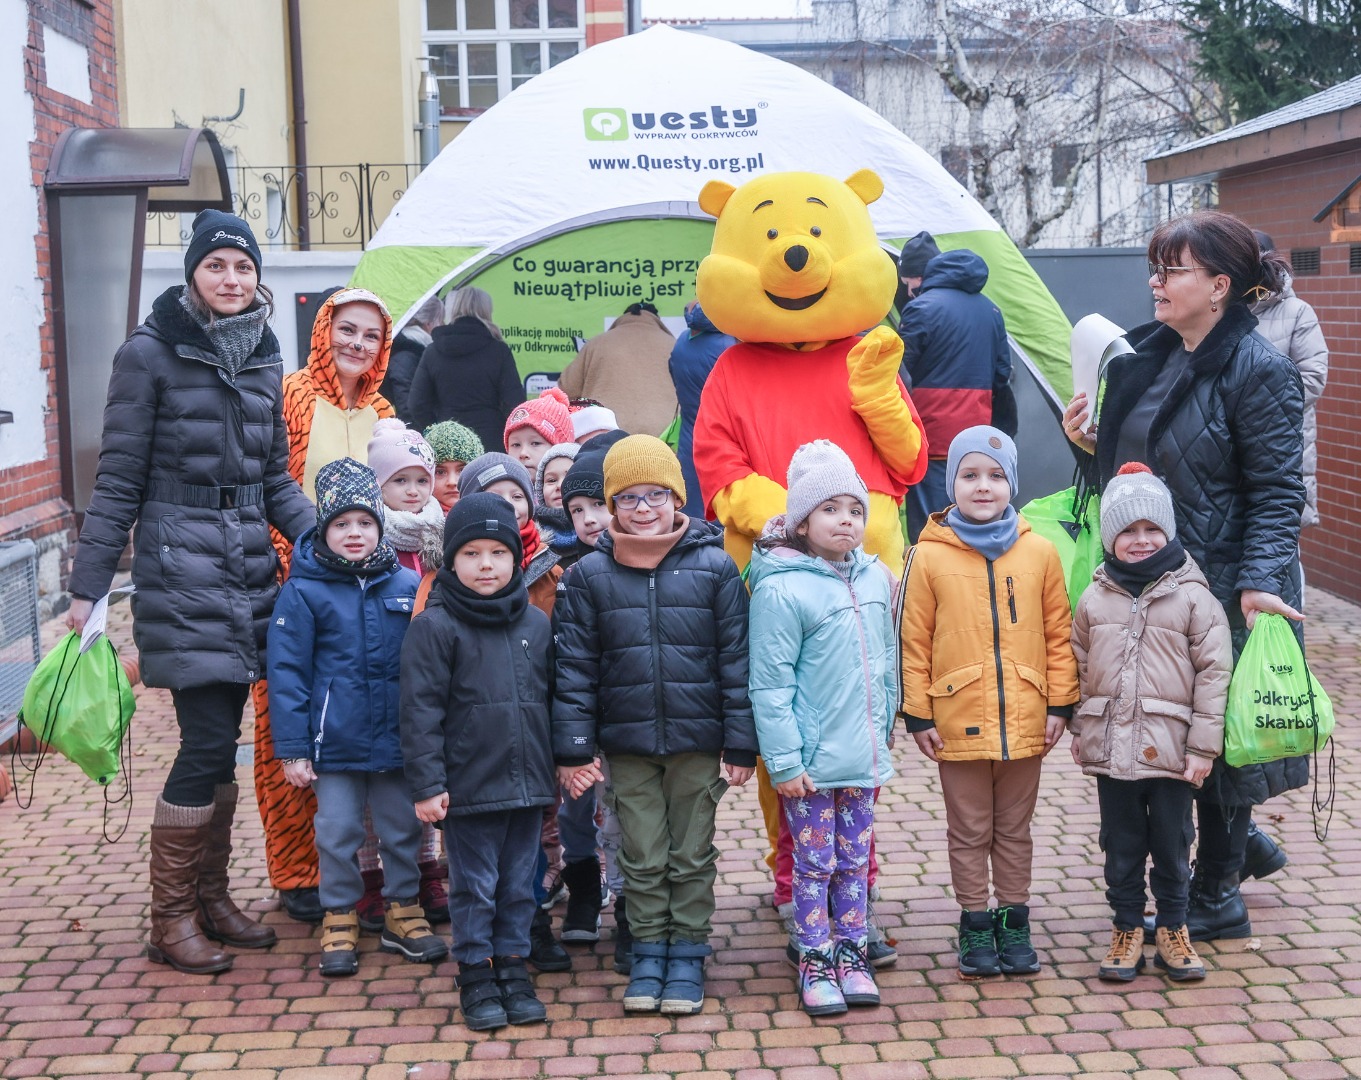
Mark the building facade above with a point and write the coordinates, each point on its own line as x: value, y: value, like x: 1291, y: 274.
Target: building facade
x: 58, y: 72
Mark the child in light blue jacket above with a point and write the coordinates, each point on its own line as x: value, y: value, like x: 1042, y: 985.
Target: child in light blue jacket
x: 823, y: 686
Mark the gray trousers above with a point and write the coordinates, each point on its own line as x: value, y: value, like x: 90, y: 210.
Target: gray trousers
x: 339, y: 826
x: 491, y: 881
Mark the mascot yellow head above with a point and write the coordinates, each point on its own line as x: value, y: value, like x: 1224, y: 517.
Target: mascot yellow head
x: 795, y: 258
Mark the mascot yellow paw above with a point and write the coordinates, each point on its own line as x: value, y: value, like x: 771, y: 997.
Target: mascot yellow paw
x: 873, y: 363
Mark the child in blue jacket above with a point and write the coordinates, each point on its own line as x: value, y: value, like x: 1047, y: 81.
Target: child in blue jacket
x: 335, y: 644
x: 823, y: 688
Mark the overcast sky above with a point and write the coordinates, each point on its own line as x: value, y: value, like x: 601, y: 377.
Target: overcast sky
x: 722, y: 9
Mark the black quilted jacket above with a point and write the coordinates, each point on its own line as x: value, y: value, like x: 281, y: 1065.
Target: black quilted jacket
x: 178, y: 430
x: 1228, y: 442
x: 654, y: 663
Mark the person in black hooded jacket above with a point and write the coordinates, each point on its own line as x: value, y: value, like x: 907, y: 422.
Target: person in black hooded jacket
x: 1218, y: 413
x: 468, y: 373
x: 477, y: 666
x: 195, y: 454
x: 652, y: 671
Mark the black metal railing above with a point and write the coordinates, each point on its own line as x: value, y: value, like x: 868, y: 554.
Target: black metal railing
x: 321, y: 206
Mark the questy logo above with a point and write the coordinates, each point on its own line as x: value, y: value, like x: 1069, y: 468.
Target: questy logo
x: 606, y: 125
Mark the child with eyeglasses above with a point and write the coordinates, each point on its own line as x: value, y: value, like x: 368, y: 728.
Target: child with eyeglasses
x: 652, y: 672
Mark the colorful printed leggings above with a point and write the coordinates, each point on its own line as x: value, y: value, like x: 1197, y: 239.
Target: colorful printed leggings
x: 831, y: 832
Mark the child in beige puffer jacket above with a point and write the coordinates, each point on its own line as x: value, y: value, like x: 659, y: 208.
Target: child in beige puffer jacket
x: 1154, y: 658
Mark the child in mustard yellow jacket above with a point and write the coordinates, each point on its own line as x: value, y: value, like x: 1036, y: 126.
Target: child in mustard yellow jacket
x: 988, y: 681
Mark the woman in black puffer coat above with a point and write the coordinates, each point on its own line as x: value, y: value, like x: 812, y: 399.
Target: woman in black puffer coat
x: 1218, y: 413
x: 468, y: 374
x: 194, y: 454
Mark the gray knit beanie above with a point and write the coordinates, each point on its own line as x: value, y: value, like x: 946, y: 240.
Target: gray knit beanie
x: 1135, y: 494
x: 818, y: 471
x: 482, y: 472
x: 983, y: 440
x: 554, y: 453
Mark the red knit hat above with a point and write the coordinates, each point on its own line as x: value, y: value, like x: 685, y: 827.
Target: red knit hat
x: 547, y: 414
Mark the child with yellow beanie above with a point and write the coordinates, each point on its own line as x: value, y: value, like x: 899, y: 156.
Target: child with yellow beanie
x: 652, y: 672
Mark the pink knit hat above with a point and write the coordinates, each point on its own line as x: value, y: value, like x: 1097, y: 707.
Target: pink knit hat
x: 547, y: 414
x: 395, y: 447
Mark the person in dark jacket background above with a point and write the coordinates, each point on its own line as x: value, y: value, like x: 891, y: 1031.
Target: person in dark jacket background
x: 476, y: 684
x: 194, y: 454
x: 407, y: 349
x: 957, y: 362
x: 468, y: 374
x: 1218, y: 413
x: 335, y: 644
x: 692, y: 358
x: 652, y: 671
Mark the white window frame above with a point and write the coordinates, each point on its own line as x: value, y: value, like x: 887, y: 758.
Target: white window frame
x: 502, y: 38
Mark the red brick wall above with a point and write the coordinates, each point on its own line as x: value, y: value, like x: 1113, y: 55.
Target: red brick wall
x: 1282, y: 201
x: 31, y: 498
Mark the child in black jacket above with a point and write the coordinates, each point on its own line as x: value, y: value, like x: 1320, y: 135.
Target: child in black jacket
x: 475, y: 740
x: 652, y: 671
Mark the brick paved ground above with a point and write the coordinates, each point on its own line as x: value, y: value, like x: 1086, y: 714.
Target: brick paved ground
x: 78, y: 998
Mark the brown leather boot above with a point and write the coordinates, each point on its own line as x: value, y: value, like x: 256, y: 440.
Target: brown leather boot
x: 178, y: 837
x: 221, y: 919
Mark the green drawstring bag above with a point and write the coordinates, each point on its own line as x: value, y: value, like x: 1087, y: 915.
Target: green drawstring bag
x: 1070, y: 520
x: 1276, y: 708
x: 671, y: 436
x: 80, y: 704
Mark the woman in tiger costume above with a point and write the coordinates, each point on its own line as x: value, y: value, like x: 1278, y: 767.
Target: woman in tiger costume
x: 329, y: 407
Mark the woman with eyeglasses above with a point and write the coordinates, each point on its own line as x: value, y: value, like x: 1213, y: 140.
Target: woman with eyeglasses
x: 1217, y: 413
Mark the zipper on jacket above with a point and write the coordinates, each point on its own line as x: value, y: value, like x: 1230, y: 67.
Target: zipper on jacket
x: 654, y: 631
x: 997, y: 658
x: 1011, y: 601
x: 321, y: 726
x: 869, y: 678
x: 519, y: 714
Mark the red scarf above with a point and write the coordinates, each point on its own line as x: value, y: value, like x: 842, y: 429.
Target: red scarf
x: 529, y: 537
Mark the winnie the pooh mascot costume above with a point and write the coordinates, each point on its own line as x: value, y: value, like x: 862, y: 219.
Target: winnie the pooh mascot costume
x: 796, y: 272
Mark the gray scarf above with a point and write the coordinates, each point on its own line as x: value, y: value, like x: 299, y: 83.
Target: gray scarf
x: 233, y: 337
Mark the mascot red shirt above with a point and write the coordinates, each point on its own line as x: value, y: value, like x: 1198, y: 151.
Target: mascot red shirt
x: 796, y: 272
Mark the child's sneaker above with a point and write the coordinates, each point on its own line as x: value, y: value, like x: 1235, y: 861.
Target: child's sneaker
x: 853, y: 974
x: 371, y: 908
x: 554, y: 888
x: 1176, y: 955
x: 819, y: 991
x: 878, y: 949
x: 545, y: 953
x: 434, y: 892
x: 521, y: 1004
x: 977, y: 946
x: 1125, y: 959
x: 406, y: 931
x: 683, y: 992
x: 479, y: 997
x: 1011, y: 928
x: 339, y: 943
x: 646, y: 977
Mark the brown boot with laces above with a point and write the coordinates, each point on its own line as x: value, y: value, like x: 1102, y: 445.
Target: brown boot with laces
x: 1126, y: 956
x: 1176, y: 955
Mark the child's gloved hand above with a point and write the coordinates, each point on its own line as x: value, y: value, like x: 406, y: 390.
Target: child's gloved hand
x: 299, y: 773
x: 1053, y: 730
x: 1197, y: 769
x: 433, y: 809
x: 929, y: 742
x: 798, y: 787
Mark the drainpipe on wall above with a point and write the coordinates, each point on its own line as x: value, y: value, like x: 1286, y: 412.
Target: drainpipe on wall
x: 429, y: 112
x: 298, y: 102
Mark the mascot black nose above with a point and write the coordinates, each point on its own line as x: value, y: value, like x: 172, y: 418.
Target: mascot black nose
x: 796, y: 257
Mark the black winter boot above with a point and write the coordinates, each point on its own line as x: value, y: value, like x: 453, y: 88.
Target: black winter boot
x: 581, y: 924
x: 1216, y: 909
x: 1263, y: 856
x: 521, y: 1004
x: 544, y: 951
x: 479, y: 997
x: 623, y: 937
